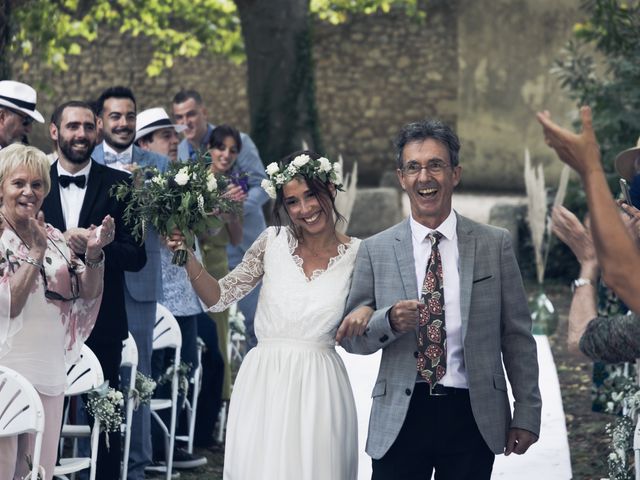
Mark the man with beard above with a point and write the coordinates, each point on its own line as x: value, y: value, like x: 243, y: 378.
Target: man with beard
x: 17, y: 112
x: 79, y: 198
x: 116, y: 109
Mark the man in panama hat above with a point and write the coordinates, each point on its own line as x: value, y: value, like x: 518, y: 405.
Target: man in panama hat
x: 156, y: 133
x: 17, y: 112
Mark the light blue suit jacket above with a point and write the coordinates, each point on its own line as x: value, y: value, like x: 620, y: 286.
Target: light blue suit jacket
x: 496, y: 331
x: 253, y: 223
x: 145, y: 285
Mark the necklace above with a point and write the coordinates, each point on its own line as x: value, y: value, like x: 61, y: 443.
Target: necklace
x: 320, y: 253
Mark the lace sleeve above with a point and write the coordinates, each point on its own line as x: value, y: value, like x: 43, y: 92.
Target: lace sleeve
x: 242, y: 279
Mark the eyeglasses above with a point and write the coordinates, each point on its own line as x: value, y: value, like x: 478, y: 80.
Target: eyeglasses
x: 434, y: 167
x: 26, y: 119
x: 75, y: 287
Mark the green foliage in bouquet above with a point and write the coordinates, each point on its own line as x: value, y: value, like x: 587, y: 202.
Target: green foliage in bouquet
x: 188, y: 196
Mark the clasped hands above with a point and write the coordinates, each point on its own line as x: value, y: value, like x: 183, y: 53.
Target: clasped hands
x: 90, y: 241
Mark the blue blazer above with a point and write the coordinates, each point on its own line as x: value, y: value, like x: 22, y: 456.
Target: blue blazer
x: 145, y: 285
x: 253, y: 223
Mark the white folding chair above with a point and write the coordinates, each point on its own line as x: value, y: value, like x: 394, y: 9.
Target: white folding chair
x: 21, y: 412
x: 129, y: 359
x: 191, y: 402
x: 82, y: 377
x: 166, y: 334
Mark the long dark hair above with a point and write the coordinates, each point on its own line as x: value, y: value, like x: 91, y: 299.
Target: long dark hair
x: 319, y: 188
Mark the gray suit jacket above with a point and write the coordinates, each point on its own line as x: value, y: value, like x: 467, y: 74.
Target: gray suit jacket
x: 145, y: 285
x: 496, y: 328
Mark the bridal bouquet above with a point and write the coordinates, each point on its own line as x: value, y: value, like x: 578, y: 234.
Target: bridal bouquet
x: 188, y: 196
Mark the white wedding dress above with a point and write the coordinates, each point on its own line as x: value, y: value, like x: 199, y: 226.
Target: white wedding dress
x: 292, y: 415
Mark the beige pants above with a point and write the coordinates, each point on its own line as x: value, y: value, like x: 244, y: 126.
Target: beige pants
x: 14, y: 451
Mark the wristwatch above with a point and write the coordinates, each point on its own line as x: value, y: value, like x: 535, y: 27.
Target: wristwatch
x: 580, y: 282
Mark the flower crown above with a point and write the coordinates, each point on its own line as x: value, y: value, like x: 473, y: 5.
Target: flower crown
x: 303, y: 165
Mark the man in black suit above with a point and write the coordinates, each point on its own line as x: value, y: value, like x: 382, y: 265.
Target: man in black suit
x: 79, y: 198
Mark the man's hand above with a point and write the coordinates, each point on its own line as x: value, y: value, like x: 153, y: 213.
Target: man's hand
x: 77, y: 239
x: 404, y: 315
x: 519, y: 441
x: 579, y: 151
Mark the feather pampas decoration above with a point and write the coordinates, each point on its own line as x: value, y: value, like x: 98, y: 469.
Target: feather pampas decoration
x: 542, y: 310
x: 537, y: 210
x: 345, y: 200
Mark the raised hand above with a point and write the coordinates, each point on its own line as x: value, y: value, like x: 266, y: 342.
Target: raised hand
x: 100, y: 237
x: 38, y: 234
x: 579, y: 151
x: 566, y: 226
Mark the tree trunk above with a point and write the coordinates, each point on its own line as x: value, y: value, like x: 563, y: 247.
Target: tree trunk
x: 5, y: 39
x: 282, y: 104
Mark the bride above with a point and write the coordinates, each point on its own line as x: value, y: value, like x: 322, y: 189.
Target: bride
x: 292, y: 415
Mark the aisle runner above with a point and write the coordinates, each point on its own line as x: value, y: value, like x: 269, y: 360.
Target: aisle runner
x: 547, y: 459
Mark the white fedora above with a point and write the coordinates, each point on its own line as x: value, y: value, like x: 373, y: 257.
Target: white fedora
x: 628, y: 162
x: 154, y: 119
x: 19, y: 96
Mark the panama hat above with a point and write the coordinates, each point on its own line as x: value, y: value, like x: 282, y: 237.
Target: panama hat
x: 21, y: 97
x: 628, y: 162
x: 154, y: 119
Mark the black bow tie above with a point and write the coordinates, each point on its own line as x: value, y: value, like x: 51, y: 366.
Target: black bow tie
x: 66, y: 180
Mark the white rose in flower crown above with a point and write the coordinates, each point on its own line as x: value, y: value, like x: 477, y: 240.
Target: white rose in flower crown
x: 301, y: 160
x: 280, y: 179
x: 268, y: 187
x: 212, y: 183
x: 325, y: 164
x: 272, y: 169
x: 182, y: 177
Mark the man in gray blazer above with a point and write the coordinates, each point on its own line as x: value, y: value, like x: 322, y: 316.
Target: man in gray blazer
x: 458, y: 420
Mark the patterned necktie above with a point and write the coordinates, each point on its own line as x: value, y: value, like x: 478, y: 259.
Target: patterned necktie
x: 432, y: 333
x: 110, y: 157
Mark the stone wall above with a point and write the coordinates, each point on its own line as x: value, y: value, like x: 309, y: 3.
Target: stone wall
x: 480, y: 65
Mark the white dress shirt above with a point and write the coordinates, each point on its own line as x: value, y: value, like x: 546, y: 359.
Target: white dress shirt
x: 72, y: 197
x: 456, y: 375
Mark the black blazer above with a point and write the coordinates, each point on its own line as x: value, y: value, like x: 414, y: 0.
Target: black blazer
x: 124, y: 253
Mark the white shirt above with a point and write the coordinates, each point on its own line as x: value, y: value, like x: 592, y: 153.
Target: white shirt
x: 456, y: 375
x: 72, y: 197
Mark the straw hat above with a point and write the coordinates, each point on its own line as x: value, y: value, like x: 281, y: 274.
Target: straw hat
x: 154, y: 119
x: 628, y: 162
x: 19, y: 96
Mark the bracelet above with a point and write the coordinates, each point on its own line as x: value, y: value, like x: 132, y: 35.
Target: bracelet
x: 33, y: 261
x: 95, y: 263
x: 198, y: 275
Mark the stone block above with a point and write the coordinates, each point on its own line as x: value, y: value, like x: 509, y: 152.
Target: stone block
x: 375, y: 209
